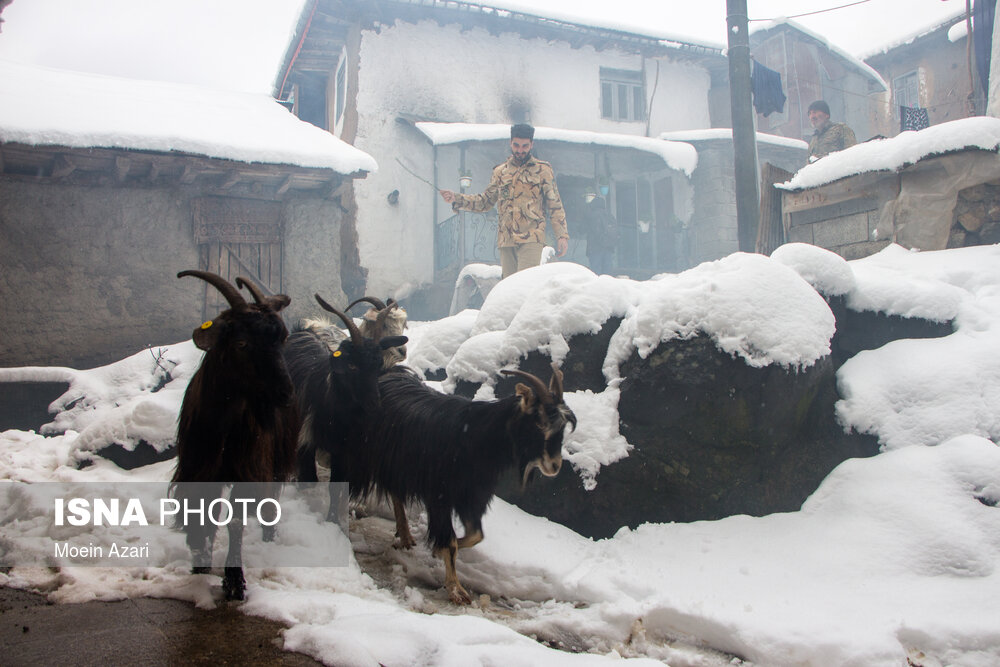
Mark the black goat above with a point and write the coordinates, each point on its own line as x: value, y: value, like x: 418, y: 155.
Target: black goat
x: 379, y: 322
x: 238, y: 422
x: 337, y: 389
x: 449, y: 452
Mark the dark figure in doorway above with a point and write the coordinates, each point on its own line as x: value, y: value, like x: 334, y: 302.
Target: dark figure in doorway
x: 602, y: 236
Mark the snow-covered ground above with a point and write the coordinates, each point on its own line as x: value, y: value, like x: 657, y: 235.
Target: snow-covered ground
x: 894, y: 557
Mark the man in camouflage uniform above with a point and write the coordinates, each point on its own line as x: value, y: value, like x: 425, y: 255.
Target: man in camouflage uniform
x: 828, y: 137
x: 523, y: 190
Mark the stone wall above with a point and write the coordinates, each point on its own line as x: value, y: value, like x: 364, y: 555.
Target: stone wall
x: 89, y: 273
x: 977, y: 216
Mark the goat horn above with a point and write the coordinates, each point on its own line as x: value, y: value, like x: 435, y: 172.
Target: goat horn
x: 369, y: 299
x: 541, y: 391
x: 379, y: 327
x: 224, y: 286
x: 356, y: 336
x: 244, y: 283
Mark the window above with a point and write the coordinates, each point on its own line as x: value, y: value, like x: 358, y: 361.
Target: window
x: 906, y: 90
x: 623, y: 94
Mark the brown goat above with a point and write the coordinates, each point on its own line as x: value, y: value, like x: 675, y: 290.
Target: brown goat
x: 239, y: 421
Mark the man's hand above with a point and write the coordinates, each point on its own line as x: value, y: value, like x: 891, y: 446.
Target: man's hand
x: 562, y: 245
x: 447, y: 195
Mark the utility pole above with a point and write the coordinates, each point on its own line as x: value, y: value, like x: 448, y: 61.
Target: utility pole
x: 744, y: 135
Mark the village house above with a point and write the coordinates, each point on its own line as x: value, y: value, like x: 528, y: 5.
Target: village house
x: 109, y: 187
x: 430, y: 89
x: 811, y: 69
x: 934, y: 187
x: 929, y: 73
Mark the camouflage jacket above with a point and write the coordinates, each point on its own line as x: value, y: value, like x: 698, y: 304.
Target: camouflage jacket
x: 522, y: 194
x: 830, y: 138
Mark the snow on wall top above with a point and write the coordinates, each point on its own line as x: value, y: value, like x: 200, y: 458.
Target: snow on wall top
x: 727, y: 133
x: 982, y: 132
x: 40, y: 106
x: 676, y: 155
x: 858, y: 63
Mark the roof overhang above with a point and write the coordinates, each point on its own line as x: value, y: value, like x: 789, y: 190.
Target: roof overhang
x: 660, y: 154
x: 122, y: 167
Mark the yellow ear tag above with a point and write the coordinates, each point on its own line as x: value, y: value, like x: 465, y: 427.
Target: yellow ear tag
x: 337, y: 353
x: 205, y: 325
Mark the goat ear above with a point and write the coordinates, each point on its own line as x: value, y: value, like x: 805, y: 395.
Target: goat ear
x: 206, y: 335
x: 277, y: 302
x: 392, y: 341
x: 529, y: 402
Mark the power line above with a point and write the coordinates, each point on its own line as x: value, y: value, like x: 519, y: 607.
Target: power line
x: 818, y: 11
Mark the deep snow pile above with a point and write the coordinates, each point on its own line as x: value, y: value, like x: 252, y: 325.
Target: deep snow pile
x: 892, y: 557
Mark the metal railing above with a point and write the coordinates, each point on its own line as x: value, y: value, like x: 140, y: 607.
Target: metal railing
x: 465, y: 238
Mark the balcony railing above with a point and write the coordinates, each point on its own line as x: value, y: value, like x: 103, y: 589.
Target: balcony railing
x: 465, y: 238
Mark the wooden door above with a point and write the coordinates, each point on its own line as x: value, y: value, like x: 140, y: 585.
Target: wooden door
x: 238, y: 237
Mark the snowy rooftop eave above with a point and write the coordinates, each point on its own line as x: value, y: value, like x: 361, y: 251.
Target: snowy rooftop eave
x: 726, y: 133
x: 978, y: 133
x: 677, y: 155
x: 47, y: 107
x: 858, y: 64
x: 956, y: 19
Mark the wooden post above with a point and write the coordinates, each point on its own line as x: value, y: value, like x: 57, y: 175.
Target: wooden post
x: 744, y: 138
x: 772, y: 229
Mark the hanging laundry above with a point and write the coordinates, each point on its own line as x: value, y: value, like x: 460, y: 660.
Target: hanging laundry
x: 913, y: 118
x: 767, y: 94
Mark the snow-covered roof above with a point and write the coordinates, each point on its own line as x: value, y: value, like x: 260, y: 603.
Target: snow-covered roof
x: 717, y: 133
x: 954, y: 34
x: 519, y: 9
x: 981, y: 132
x: 862, y: 66
x: 48, y: 107
x: 676, y: 155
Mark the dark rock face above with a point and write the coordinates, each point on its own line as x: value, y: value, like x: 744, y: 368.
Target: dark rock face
x: 143, y: 454
x: 712, y: 436
x: 867, y: 330
x: 23, y: 405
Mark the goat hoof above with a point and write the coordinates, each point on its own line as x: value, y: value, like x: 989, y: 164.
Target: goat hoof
x: 233, y: 584
x: 406, y: 542
x: 268, y: 532
x: 200, y: 569
x: 459, y: 595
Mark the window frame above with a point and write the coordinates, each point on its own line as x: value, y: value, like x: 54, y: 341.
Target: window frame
x: 623, y: 88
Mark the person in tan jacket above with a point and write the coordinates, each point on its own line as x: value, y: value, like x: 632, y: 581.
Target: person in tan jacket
x: 523, y: 189
x: 829, y: 137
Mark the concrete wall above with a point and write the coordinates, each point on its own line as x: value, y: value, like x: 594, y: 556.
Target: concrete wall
x: 712, y: 229
x: 89, y: 274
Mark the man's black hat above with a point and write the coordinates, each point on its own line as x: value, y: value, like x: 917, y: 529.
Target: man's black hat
x: 522, y: 131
